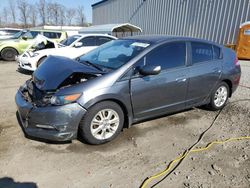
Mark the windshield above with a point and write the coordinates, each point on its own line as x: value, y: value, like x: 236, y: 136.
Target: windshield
x: 115, y: 53
x: 70, y: 40
x: 17, y: 35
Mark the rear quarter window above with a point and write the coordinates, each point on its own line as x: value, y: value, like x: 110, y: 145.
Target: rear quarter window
x: 217, y: 52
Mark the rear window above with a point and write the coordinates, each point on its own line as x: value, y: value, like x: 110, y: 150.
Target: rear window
x: 201, y: 52
x: 52, y: 35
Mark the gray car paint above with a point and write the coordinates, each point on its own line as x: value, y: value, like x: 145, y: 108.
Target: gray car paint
x: 139, y: 96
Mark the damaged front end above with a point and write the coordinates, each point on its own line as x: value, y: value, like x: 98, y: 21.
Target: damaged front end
x: 45, y: 114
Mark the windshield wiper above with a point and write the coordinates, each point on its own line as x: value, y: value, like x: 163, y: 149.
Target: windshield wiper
x: 93, y: 65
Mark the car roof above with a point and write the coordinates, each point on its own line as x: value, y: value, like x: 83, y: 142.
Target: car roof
x: 44, y: 30
x: 95, y: 34
x: 153, y: 39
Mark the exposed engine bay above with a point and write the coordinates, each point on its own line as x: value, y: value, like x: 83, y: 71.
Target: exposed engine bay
x: 38, y: 97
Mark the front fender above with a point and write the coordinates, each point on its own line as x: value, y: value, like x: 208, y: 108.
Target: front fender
x: 7, y: 45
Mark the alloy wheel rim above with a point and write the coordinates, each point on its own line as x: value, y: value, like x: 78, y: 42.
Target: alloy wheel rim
x: 220, y: 96
x: 104, y: 124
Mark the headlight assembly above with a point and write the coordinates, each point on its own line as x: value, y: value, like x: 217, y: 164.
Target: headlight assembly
x: 34, y: 54
x: 64, y: 99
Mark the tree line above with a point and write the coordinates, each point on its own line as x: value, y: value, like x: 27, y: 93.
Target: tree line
x: 21, y: 13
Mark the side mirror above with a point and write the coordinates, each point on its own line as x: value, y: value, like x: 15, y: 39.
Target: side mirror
x: 78, y: 44
x: 150, y: 70
x: 24, y: 37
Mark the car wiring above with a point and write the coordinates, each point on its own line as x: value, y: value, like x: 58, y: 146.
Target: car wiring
x: 169, y: 169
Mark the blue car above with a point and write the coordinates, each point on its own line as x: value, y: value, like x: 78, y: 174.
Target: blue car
x: 122, y: 82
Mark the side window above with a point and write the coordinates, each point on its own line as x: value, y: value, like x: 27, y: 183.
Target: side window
x: 52, y: 35
x: 88, y: 41
x: 217, y: 52
x: 170, y: 55
x: 31, y: 34
x: 101, y: 40
x: 34, y: 33
x: 201, y: 52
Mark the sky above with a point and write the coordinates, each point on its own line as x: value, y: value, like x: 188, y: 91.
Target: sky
x: 67, y: 3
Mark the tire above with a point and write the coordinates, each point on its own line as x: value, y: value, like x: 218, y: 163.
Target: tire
x: 9, y: 54
x: 95, y: 127
x: 219, y: 97
x: 40, y: 61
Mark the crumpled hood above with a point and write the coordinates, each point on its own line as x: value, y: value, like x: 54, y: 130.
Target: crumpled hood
x: 54, y: 70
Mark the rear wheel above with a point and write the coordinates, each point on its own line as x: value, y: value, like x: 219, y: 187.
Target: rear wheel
x: 219, y: 97
x: 102, y: 123
x: 9, y: 54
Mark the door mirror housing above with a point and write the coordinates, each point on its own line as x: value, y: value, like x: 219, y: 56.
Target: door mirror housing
x: 78, y: 44
x: 24, y: 37
x: 150, y: 70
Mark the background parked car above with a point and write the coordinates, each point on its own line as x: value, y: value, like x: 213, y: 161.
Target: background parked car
x: 71, y: 47
x: 18, y: 43
x: 6, y: 33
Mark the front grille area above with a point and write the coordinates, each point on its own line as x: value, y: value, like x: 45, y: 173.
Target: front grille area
x: 34, y: 95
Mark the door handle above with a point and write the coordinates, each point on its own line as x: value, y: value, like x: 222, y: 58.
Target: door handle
x: 216, y: 70
x: 182, y: 79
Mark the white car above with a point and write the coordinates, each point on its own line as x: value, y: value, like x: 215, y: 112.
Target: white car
x: 71, y: 47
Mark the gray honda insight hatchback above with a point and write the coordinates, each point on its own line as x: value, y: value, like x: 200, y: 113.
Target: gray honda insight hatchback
x: 122, y: 82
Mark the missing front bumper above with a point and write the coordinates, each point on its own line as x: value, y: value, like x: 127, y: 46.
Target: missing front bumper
x: 62, y: 120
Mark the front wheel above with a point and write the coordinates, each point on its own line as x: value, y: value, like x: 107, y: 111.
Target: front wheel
x: 102, y: 123
x: 219, y: 97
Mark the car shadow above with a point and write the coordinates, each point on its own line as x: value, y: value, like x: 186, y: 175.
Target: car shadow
x: 23, y: 71
x: 7, y: 182
x: 38, y: 139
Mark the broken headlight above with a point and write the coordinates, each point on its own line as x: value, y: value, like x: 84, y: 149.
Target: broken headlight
x: 33, y: 54
x: 64, y: 99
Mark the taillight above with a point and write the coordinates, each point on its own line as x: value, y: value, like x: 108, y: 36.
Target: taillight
x: 236, y: 61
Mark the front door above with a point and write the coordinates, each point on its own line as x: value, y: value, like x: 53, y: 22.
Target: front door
x: 166, y: 92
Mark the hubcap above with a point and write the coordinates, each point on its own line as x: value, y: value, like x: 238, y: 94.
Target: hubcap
x: 9, y: 54
x: 220, y: 96
x: 104, y: 124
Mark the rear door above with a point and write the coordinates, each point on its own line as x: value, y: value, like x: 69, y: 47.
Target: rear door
x: 158, y: 94
x: 205, y: 71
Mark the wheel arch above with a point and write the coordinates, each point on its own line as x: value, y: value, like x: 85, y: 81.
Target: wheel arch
x: 11, y: 48
x: 230, y: 85
x: 44, y: 56
x: 125, y: 108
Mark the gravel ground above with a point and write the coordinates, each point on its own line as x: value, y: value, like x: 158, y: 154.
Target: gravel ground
x: 137, y: 153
